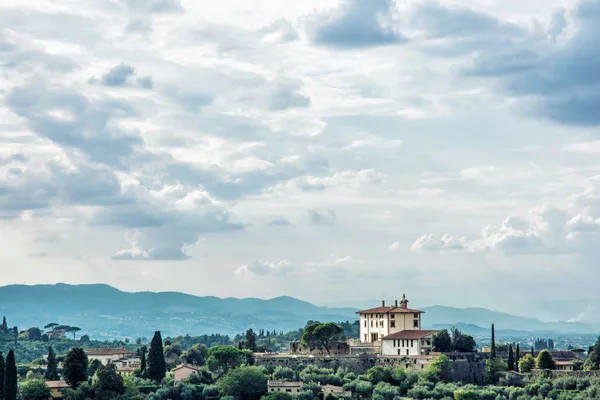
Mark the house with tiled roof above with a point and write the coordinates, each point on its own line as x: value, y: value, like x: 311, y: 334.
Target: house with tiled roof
x: 119, y: 356
x: 183, y: 371
x: 56, y: 389
x: 395, y: 329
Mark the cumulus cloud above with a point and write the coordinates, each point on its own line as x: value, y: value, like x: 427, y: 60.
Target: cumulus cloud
x: 264, y: 268
x: 355, y: 24
x: 546, y: 230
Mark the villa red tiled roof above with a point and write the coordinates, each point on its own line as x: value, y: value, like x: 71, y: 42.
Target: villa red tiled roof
x: 388, y: 310
x: 107, y: 352
x: 57, y: 384
x: 410, y: 335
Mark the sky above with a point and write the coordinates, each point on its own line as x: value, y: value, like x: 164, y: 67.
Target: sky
x: 339, y: 151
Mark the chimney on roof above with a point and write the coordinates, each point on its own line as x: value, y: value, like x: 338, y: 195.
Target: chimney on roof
x: 404, y: 302
x: 396, y: 303
x: 382, y: 303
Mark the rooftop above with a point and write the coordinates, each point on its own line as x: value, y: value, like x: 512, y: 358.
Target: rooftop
x: 188, y: 366
x: 56, y: 384
x: 107, y: 352
x: 284, y: 384
x: 390, y: 310
x: 410, y: 335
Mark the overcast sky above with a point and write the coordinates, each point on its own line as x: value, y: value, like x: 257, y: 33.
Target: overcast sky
x: 335, y: 151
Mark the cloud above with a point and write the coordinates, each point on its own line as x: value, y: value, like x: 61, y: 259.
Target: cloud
x: 326, y: 217
x: 265, y: 268
x: 555, y: 79
x: 354, y: 24
x: 69, y: 118
x: 122, y: 75
x: 279, y: 221
x: 546, y: 230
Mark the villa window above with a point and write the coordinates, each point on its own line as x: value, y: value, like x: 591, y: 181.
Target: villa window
x: 392, y: 324
x: 416, y: 315
x: 416, y: 324
x: 381, y: 323
x: 392, y: 316
x: 365, y: 323
x: 412, y: 344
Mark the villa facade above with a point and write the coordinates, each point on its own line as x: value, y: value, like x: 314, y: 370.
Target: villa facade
x: 395, y: 330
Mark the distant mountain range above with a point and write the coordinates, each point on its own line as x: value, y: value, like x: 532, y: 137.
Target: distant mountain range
x: 105, y: 312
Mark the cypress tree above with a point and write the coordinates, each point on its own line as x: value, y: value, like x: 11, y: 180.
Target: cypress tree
x: 10, y: 377
x: 52, y: 368
x: 143, y: 352
x: 511, y: 358
x: 493, y: 343
x: 517, y: 357
x: 532, y: 352
x: 157, y: 367
x: 1, y: 375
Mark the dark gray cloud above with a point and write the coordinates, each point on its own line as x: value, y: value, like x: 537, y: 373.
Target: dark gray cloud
x: 122, y: 75
x: 326, y: 217
x: 118, y: 75
x: 29, y: 187
x: 70, y: 119
x: 557, y: 81
x: 354, y: 24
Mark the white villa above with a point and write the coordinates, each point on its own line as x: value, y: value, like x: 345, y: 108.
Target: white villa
x: 120, y: 357
x: 395, y: 329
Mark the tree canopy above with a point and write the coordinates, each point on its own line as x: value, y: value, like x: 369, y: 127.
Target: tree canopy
x: 75, y: 368
x: 51, y: 373
x: 10, y: 377
x: 442, y: 341
x: 35, y: 389
x: 108, y: 385
x: 321, y: 335
x: 545, y: 361
x: 247, y: 383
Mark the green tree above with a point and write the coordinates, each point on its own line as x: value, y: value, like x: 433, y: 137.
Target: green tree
x: 157, y: 366
x: 222, y: 359
x: 73, y: 330
x: 143, y: 352
x: 284, y: 374
x: 439, y: 370
x: 35, y: 389
x: 277, y: 395
x: 545, y: 360
x: 10, y: 377
x: 2, y: 369
x: 461, y: 342
x: 511, y: 359
x: 108, y: 385
x: 526, y: 363
x: 593, y: 359
x: 384, y: 391
x: 246, y: 383
x: 75, y: 368
x: 493, y: 344
x: 318, y: 335
x: 442, y: 341
x: 517, y: 357
x: 380, y: 374
x: 195, y: 355
x: 93, y: 366
x: 51, y: 373
x: 492, y: 367
x: 251, y: 340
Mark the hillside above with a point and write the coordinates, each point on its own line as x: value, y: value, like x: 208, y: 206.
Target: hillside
x: 105, y: 312
x: 438, y: 316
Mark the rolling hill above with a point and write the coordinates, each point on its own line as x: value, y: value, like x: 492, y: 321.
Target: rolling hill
x: 105, y: 312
